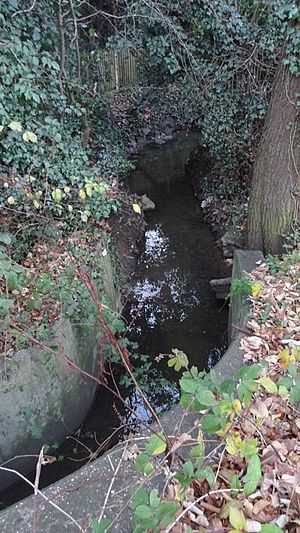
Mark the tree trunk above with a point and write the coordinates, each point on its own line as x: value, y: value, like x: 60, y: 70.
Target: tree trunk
x: 275, y: 190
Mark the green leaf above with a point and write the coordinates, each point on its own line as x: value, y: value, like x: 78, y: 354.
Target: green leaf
x: 205, y: 397
x: 12, y: 281
x: 148, y: 469
x: 102, y: 526
x: 237, y: 518
x: 156, y: 444
x: 188, y: 384
x: 268, y: 384
x: 235, y: 482
x: 154, y: 499
x: 211, y: 423
x: 179, y: 361
x: 270, y: 528
x: 248, y: 448
x: 253, y: 475
x: 188, y: 469
x: 140, y: 498
x: 143, y: 511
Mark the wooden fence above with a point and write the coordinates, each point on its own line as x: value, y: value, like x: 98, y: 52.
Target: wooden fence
x: 116, y: 69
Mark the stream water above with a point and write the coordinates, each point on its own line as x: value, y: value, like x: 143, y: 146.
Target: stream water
x: 171, y: 304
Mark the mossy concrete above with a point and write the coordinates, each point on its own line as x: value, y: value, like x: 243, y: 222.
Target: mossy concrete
x: 84, y: 493
x: 43, y: 398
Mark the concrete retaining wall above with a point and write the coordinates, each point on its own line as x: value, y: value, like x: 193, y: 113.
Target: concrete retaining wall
x: 83, y: 493
x: 42, y: 399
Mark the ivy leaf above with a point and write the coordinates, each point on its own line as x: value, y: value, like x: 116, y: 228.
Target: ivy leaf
x: 15, y: 126
x: 253, y: 475
x: 57, y: 195
x: 136, y: 208
x: 29, y: 136
x: 5, y: 238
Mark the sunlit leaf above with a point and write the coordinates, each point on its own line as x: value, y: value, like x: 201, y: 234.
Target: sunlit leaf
x: 237, y: 518
x: 268, y: 384
x: 156, y: 444
x: 256, y: 290
x: 136, y: 208
x: 284, y: 358
x: 10, y: 200
x: 15, y: 126
x: 29, y: 136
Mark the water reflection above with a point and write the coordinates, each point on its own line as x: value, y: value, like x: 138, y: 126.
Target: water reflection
x: 172, y: 304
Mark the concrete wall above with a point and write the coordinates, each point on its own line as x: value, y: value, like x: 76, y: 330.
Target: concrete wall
x: 42, y: 399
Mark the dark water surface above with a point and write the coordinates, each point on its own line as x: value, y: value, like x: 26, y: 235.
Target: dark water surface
x: 172, y: 298
x: 171, y: 304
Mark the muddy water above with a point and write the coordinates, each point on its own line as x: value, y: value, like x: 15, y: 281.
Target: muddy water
x: 171, y: 304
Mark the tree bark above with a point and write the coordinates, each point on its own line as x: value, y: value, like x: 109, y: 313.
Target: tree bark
x: 275, y: 191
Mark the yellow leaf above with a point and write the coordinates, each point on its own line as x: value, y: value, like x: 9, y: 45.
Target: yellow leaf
x: 1, y: 128
x: 256, y: 290
x: 136, y: 208
x: 237, y: 518
x: 57, y: 195
x: 67, y: 189
x: 10, y: 200
x: 284, y: 358
x: 15, y: 126
x: 268, y: 384
x: 82, y: 194
x: 36, y: 204
x: 232, y: 444
x: 84, y: 217
x: 222, y: 432
x: 237, y: 406
x: 296, y: 353
x: 89, y: 190
x: 28, y: 136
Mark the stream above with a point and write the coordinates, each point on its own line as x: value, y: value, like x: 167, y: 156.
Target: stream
x: 171, y: 304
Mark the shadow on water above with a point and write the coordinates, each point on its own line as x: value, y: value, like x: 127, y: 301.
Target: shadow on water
x: 171, y: 304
